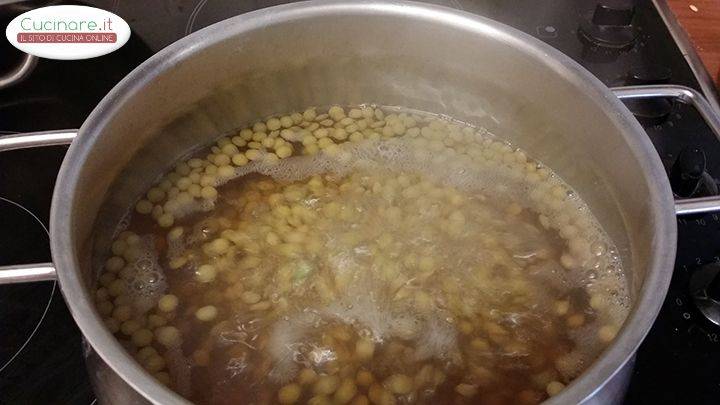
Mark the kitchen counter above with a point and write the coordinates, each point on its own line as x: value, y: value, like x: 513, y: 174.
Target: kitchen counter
x: 701, y: 21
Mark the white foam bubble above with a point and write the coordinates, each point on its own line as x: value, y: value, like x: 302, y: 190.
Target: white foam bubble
x: 361, y: 310
x: 438, y: 340
x: 285, y: 337
x: 148, y: 282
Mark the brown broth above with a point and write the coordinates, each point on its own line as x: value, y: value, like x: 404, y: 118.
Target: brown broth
x: 444, y: 290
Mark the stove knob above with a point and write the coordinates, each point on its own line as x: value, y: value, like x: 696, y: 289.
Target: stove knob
x: 705, y: 290
x: 610, y: 25
x: 687, y: 171
x: 618, y: 13
x: 650, y: 74
x: 650, y: 112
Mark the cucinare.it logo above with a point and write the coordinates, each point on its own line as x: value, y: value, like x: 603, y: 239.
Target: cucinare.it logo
x: 67, y: 32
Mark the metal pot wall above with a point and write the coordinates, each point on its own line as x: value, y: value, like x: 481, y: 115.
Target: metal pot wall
x: 394, y: 53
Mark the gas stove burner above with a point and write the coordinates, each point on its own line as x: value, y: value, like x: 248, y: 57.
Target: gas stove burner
x: 689, y: 176
x: 651, y: 111
x: 650, y: 74
x: 24, y: 239
x: 610, y: 25
x: 705, y: 290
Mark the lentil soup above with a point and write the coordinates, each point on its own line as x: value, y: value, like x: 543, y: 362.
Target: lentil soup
x: 362, y: 255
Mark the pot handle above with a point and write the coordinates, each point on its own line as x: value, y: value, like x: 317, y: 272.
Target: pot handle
x: 37, y: 139
x: 24, y: 273
x: 685, y: 206
x: 27, y: 273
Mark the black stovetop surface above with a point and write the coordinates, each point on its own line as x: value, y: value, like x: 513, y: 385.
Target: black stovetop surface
x: 41, y: 354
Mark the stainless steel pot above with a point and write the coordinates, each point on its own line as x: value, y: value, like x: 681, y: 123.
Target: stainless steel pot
x: 394, y: 53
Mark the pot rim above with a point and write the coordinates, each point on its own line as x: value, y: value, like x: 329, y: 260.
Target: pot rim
x: 660, y: 201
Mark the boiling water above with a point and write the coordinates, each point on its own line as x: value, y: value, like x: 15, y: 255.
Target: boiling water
x: 362, y: 256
